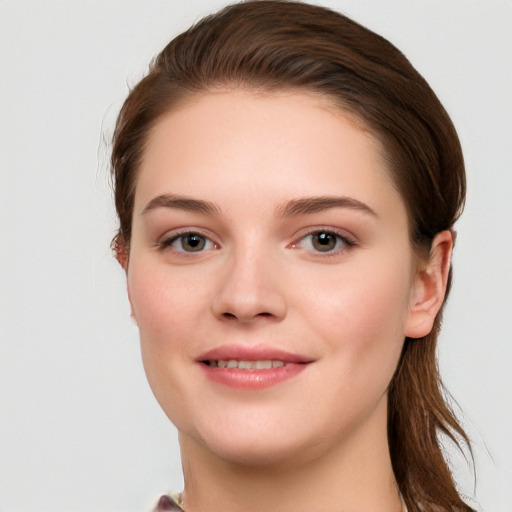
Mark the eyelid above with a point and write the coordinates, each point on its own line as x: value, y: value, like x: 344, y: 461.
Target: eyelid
x: 347, y: 238
x: 166, y: 240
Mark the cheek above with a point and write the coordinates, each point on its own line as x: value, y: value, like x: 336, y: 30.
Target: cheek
x: 162, y: 300
x: 361, y: 318
x: 166, y: 308
x: 161, y: 305
x: 369, y: 296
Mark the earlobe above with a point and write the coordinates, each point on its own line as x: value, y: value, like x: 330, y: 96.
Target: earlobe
x: 121, y: 252
x: 429, y: 287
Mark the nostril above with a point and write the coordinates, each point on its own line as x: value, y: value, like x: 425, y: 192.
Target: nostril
x: 233, y: 316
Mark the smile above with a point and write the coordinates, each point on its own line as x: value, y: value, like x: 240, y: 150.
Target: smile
x: 245, y: 365
x: 249, y: 367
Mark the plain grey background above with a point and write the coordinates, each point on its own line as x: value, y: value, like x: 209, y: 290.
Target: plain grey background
x: 79, y: 428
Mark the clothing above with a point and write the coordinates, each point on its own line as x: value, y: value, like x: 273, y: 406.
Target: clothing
x: 171, y: 503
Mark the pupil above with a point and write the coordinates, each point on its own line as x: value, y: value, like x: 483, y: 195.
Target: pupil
x: 194, y: 243
x: 324, y: 241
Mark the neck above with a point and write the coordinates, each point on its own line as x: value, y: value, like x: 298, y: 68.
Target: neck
x: 354, y: 475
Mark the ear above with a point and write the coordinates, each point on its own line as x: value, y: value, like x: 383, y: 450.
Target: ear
x: 120, y: 251
x: 429, y: 287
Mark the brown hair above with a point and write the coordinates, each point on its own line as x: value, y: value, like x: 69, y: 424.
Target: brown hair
x: 276, y: 45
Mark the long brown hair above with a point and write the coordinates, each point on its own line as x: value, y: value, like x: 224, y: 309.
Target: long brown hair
x: 276, y: 45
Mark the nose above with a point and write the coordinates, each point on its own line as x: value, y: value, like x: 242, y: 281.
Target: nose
x: 249, y: 289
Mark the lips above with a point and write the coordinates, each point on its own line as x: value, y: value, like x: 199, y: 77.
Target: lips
x: 251, y: 367
x: 252, y: 353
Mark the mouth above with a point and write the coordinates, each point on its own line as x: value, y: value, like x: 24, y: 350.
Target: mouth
x: 251, y: 367
x: 266, y: 364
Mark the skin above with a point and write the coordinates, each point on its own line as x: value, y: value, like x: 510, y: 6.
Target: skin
x: 316, y: 441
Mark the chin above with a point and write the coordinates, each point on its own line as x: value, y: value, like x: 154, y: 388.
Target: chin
x: 257, y: 444
x: 255, y: 453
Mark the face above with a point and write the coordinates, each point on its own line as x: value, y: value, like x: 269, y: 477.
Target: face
x: 270, y: 274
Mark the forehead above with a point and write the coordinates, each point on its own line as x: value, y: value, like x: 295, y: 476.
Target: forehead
x: 272, y: 146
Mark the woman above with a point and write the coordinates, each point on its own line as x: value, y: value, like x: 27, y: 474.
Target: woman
x: 286, y: 185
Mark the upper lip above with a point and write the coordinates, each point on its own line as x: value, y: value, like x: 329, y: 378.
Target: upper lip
x: 252, y: 353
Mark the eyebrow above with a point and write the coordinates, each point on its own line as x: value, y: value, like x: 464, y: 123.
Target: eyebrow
x: 295, y: 207
x: 181, y: 203
x: 309, y: 205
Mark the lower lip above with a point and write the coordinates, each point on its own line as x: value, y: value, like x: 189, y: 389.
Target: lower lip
x: 252, y: 379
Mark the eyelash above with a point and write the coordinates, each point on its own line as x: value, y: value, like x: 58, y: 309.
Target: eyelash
x: 343, y: 239
x: 168, y: 241
x: 346, y: 242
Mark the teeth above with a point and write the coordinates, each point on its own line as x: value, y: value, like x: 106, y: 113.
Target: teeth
x: 246, y: 365
x: 263, y: 365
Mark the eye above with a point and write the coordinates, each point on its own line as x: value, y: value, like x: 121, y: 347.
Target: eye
x: 188, y: 242
x: 324, y: 241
